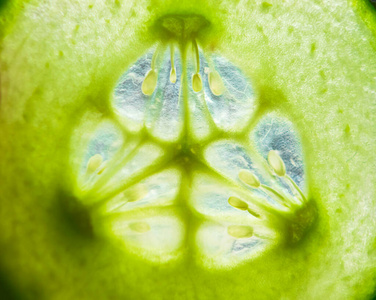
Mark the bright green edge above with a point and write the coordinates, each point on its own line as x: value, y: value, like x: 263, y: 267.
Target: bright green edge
x: 8, y: 13
x: 368, y: 13
x: 54, y: 73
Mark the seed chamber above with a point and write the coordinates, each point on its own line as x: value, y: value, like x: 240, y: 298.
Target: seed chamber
x: 189, y: 165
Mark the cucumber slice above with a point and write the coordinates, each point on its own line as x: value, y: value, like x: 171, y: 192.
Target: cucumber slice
x: 310, y: 62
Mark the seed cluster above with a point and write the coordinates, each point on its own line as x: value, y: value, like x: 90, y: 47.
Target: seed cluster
x: 143, y: 182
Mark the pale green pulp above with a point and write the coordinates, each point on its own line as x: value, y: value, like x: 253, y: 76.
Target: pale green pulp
x: 313, y: 62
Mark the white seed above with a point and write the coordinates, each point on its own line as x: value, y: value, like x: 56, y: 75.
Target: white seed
x: 94, y: 163
x: 173, y: 75
x: 277, y: 163
x: 249, y: 178
x: 136, y: 193
x: 237, y: 203
x: 140, y: 227
x: 240, y: 231
x: 196, y: 82
x: 149, y: 83
x: 216, y: 84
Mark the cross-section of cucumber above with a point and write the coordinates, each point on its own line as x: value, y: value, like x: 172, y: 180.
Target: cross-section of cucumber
x: 310, y: 62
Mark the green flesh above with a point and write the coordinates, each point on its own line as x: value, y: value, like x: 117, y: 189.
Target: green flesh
x: 312, y: 61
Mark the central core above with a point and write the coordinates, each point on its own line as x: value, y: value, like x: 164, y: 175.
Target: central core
x: 181, y: 27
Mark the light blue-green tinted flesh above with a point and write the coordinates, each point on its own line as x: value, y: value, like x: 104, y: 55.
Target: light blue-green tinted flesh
x: 129, y: 101
x: 165, y: 110
x: 229, y: 158
x: 163, y: 116
x: 234, y: 108
x: 106, y: 141
x: 162, y: 112
x: 218, y: 247
x: 276, y: 133
x: 209, y: 197
x: 159, y: 190
x: 200, y: 117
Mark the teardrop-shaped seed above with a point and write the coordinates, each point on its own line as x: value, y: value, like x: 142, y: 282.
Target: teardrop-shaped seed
x: 240, y: 231
x: 173, y: 75
x: 216, y: 83
x: 149, y: 83
x: 276, y: 163
x: 249, y: 178
x: 136, y: 193
x: 196, y: 82
x: 140, y: 227
x: 237, y: 203
x: 94, y: 163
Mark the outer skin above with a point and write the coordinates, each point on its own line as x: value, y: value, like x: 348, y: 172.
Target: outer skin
x: 313, y: 61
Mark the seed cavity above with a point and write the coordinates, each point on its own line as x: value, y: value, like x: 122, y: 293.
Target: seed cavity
x: 240, y: 231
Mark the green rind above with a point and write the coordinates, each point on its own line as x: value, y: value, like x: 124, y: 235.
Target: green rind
x: 52, y: 73
x: 367, y: 11
x: 9, y: 10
